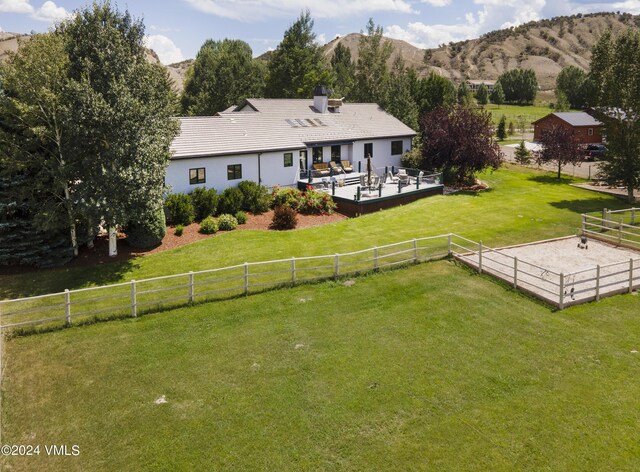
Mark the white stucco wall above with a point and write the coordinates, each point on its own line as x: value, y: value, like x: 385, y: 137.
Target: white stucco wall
x: 272, y: 169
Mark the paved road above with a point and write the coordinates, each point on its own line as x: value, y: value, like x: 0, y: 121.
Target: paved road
x: 586, y: 170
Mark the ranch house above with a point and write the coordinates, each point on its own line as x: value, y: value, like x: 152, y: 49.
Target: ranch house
x: 284, y: 141
x: 587, y: 129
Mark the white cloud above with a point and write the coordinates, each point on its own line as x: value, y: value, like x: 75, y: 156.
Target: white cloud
x: 437, y: 3
x: 166, y: 50
x: 15, y: 6
x: 255, y: 10
x: 50, y: 12
x: 321, y: 39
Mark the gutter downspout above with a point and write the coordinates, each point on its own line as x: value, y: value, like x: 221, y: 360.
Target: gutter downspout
x: 259, y: 170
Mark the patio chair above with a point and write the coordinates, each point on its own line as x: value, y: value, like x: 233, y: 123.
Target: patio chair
x: 346, y: 166
x: 391, y: 178
x: 403, y: 177
x: 321, y: 169
x: 336, y: 167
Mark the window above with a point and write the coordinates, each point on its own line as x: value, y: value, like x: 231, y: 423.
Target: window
x: 590, y: 132
x: 368, y: 150
x: 197, y: 176
x: 396, y: 148
x: 288, y: 159
x: 234, y: 172
x: 318, y: 155
x: 335, y: 153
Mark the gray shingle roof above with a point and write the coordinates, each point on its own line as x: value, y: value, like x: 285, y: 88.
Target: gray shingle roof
x: 578, y: 118
x: 245, y: 131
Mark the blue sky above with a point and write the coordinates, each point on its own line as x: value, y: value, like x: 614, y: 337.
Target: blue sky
x: 176, y: 29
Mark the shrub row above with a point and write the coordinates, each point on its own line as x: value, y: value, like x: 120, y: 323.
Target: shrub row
x: 310, y: 202
x: 225, y: 222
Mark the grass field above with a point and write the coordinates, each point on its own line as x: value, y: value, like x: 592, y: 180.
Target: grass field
x: 430, y: 367
x: 530, y: 113
x: 426, y: 368
x: 523, y: 205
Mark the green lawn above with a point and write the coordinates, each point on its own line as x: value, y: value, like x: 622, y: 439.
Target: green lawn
x: 523, y: 205
x: 426, y: 368
x: 530, y: 113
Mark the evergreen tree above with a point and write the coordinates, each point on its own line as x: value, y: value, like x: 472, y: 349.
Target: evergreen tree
x: 562, y: 103
x: 464, y: 94
x: 343, y: 71
x: 482, y: 95
x: 522, y: 154
x: 615, y: 74
x: 121, y: 107
x: 399, y: 101
x: 501, y: 132
x: 497, y: 95
x: 297, y: 57
x: 223, y: 74
x: 372, y: 73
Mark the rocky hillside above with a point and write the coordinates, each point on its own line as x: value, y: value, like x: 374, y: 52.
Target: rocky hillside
x: 545, y: 46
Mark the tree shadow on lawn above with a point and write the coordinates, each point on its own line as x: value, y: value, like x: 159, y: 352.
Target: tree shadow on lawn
x: 553, y: 179
x: 589, y: 205
x: 54, y: 280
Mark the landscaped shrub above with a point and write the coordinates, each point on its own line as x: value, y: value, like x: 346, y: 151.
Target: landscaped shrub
x: 284, y: 217
x: 315, y: 202
x: 179, y: 230
x: 205, y: 202
x: 227, y: 222
x: 255, y: 198
x: 292, y: 197
x: 230, y: 201
x: 241, y: 216
x: 147, y: 233
x: 180, y: 209
x: 209, y: 225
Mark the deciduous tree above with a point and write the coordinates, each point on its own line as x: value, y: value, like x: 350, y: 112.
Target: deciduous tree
x: 343, y: 71
x: 519, y: 85
x: 434, y: 91
x: 372, y: 73
x: 482, y: 95
x: 497, y: 95
x: 399, y: 101
x: 459, y: 141
x: 570, y: 83
x: 615, y: 74
x: 559, y: 145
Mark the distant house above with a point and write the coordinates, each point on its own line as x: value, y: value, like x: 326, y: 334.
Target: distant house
x: 587, y: 129
x: 276, y: 141
x: 475, y: 84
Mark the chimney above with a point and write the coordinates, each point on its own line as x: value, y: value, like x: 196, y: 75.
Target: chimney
x: 321, y: 99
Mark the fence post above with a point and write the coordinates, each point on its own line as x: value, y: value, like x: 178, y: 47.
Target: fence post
x: 375, y: 258
x: 191, y: 287
x: 515, y: 272
x: 246, y: 279
x: 399, y: 186
x: 633, y: 216
x: 293, y: 270
x: 480, y: 258
x: 604, y: 220
x: 598, y: 282
x: 630, y: 275
x: 449, y: 244
x: 584, y: 224
x: 561, y: 304
x: 415, y: 250
x: 620, y: 230
x: 336, y: 265
x: 67, y: 306
x: 134, y: 300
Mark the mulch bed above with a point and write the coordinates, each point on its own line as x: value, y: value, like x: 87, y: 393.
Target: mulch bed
x: 99, y: 254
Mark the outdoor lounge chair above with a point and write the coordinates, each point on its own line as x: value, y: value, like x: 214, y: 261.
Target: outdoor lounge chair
x: 346, y: 166
x: 403, y: 177
x: 391, y: 178
x: 321, y: 169
x: 336, y: 167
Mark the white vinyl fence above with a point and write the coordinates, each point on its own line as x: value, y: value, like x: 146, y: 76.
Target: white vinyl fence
x: 159, y: 293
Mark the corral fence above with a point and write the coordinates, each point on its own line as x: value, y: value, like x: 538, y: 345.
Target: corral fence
x: 620, y: 227
x: 131, y: 299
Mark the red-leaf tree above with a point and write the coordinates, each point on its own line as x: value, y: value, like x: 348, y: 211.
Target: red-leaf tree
x: 458, y: 140
x: 559, y: 145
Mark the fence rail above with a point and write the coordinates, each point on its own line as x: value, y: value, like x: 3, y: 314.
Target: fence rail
x: 144, y: 296
x: 130, y: 299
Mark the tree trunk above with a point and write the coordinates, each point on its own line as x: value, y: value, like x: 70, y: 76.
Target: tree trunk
x: 72, y: 225
x: 113, y: 241
x: 630, y: 194
x: 559, y: 170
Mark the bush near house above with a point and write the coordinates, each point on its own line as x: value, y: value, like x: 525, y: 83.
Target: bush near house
x: 291, y: 197
x: 227, y: 223
x: 284, y: 217
x: 316, y: 203
x: 209, y: 225
x: 205, y: 202
x: 179, y: 230
x: 148, y: 233
x: 241, y: 216
x: 255, y: 197
x: 230, y: 201
x: 180, y: 209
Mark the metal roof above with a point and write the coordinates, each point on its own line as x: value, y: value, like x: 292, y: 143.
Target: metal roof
x: 578, y: 118
x: 262, y: 125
